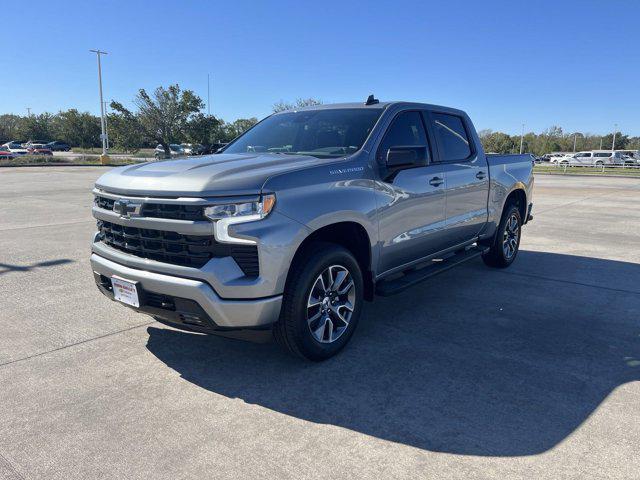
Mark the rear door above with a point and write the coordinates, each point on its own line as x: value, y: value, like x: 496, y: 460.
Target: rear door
x: 411, y: 202
x: 466, y: 176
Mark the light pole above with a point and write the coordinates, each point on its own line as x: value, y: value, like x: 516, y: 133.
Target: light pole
x: 208, y: 97
x: 600, y: 143
x: 575, y: 139
x: 106, y: 124
x: 613, y: 144
x: 522, y: 139
x: 104, y: 158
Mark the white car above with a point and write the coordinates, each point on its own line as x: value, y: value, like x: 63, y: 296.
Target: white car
x: 594, y: 158
x: 16, y: 148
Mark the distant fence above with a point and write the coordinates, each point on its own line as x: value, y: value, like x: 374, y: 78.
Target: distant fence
x: 604, y: 169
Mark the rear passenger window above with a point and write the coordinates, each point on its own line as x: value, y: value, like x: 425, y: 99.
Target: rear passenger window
x: 406, y: 130
x: 452, y: 137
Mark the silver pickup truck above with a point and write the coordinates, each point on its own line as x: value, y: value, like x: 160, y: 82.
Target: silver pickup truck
x: 309, y: 213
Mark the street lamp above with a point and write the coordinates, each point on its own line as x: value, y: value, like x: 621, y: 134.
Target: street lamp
x: 613, y: 144
x: 104, y: 158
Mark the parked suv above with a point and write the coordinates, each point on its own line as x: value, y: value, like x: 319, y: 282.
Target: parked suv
x: 58, y: 146
x: 596, y: 158
x: 176, y: 151
x: 305, y: 216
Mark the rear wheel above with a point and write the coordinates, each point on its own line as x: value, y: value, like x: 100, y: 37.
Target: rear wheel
x: 505, y: 245
x: 322, y: 302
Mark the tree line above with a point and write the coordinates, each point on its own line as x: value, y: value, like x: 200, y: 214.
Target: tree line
x: 554, y: 139
x: 172, y: 115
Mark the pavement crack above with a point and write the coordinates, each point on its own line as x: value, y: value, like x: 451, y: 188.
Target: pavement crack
x: 39, y: 354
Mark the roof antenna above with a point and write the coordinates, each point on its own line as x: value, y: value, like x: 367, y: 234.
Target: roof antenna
x: 371, y: 100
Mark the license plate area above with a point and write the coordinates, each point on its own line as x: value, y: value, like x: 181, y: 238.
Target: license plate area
x: 125, y: 291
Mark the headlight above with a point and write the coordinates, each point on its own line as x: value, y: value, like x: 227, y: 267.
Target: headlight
x: 234, y: 213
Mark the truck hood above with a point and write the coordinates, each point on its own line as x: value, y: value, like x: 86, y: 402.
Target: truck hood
x: 206, y: 176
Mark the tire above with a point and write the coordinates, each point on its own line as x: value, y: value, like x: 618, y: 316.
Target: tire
x: 303, y: 328
x: 500, y: 254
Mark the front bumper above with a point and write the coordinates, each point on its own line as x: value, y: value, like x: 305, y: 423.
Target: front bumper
x: 188, y: 303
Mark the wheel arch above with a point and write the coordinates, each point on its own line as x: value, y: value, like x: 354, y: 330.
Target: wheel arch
x: 517, y: 196
x: 351, y: 235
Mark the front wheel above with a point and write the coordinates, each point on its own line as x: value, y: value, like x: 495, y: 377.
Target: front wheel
x: 322, y: 302
x: 505, y: 245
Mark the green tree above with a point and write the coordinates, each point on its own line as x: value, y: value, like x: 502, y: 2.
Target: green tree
x: 37, y: 127
x: 77, y: 128
x: 124, y: 132
x: 496, y: 142
x: 281, y: 106
x: 9, y: 125
x: 240, y: 126
x: 164, y: 115
x: 203, y: 129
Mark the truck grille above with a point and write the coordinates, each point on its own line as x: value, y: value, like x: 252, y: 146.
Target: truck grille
x: 175, y: 248
x: 161, y: 210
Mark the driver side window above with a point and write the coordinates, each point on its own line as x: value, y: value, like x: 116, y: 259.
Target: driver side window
x: 406, y: 130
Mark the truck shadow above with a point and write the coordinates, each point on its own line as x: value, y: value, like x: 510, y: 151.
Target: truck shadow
x: 472, y: 362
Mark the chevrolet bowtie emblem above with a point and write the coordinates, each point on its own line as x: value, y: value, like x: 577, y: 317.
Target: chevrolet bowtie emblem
x: 127, y: 208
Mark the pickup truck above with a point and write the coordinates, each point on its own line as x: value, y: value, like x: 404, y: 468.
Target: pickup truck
x: 306, y: 215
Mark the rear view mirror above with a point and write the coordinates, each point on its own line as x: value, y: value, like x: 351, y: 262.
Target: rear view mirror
x: 406, y: 157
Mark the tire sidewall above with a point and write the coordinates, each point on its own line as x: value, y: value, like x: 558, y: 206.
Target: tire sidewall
x: 333, y: 255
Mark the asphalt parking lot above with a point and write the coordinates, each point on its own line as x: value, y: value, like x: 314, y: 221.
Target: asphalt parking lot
x: 532, y: 372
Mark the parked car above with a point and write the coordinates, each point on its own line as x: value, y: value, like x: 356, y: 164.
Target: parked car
x: 39, y: 149
x: 306, y: 215
x: 595, y: 158
x: 187, y: 148
x: 16, y: 148
x: 633, y: 156
x: 5, y: 153
x: 30, y: 143
x: 553, y: 156
x: 58, y: 146
x: 176, y: 151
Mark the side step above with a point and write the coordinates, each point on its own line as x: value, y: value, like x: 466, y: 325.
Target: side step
x: 387, y: 288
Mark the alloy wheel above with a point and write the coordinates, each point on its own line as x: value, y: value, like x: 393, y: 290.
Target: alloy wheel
x: 510, y: 237
x: 330, y: 304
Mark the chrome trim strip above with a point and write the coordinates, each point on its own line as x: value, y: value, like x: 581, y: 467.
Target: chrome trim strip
x: 179, y: 200
x: 186, y: 227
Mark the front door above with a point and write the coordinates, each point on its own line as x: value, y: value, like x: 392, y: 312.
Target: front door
x: 411, y: 202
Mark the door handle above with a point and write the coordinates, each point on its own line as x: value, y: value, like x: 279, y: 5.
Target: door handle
x: 436, y: 181
x: 481, y: 175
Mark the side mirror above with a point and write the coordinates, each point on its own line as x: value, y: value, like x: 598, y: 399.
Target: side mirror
x: 406, y: 157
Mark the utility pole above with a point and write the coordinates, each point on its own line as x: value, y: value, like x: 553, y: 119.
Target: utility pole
x: 575, y: 139
x: 613, y: 144
x: 104, y: 158
x: 600, y: 143
x: 28, y: 111
x: 208, y: 97
x: 106, y: 124
x: 522, y: 139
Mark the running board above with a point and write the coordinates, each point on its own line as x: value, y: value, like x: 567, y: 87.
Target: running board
x: 387, y: 288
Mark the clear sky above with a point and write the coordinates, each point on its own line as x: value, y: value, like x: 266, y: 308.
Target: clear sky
x: 573, y: 63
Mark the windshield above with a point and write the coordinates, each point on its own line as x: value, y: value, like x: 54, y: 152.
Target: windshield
x: 319, y: 133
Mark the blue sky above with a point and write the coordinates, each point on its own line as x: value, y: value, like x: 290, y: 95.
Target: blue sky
x: 570, y: 63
